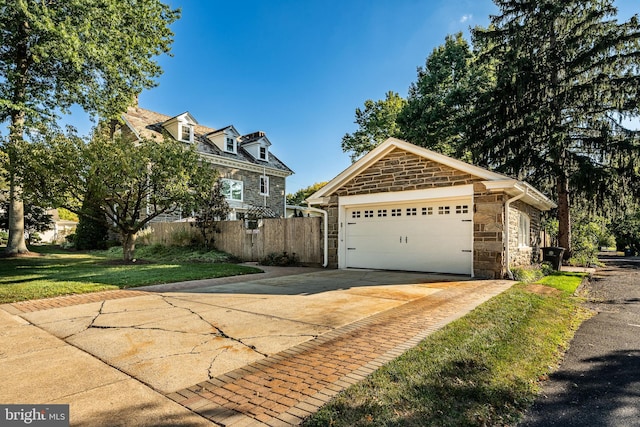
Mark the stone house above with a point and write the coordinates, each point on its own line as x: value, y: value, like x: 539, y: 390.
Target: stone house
x: 252, y: 176
x: 403, y: 207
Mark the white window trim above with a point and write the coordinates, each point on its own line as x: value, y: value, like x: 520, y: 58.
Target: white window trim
x: 264, y: 183
x: 235, y: 145
x: 266, y: 153
x: 181, y: 127
x: 231, y: 182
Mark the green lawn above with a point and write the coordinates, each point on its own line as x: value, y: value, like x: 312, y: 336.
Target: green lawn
x: 59, y: 272
x: 481, y: 370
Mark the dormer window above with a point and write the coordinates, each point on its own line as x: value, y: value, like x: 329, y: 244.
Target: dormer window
x: 230, y: 145
x: 186, y: 133
x: 263, y: 153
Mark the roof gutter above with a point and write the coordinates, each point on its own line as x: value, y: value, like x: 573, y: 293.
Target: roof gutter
x: 507, y: 205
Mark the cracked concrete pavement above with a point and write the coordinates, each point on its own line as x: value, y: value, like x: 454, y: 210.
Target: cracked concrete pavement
x: 172, y: 337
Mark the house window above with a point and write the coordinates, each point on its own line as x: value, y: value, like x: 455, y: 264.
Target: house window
x: 186, y: 133
x: 524, y: 230
x: 231, y: 145
x: 232, y: 189
x: 263, y: 153
x: 264, y: 185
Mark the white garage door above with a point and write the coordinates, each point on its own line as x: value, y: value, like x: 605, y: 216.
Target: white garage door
x: 419, y: 236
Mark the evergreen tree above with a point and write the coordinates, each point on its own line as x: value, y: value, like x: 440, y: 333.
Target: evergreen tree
x: 566, y: 75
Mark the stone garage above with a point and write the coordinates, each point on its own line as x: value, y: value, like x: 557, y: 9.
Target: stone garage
x: 404, y: 207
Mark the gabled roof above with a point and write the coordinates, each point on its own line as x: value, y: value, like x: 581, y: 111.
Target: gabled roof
x: 186, y: 116
x: 228, y: 128
x: 492, y: 180
x: 149, y: 124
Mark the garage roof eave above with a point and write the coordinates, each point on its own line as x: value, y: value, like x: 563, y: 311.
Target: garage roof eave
x: 391, y: 144
x: 513, y: 187
x: 317, y: 200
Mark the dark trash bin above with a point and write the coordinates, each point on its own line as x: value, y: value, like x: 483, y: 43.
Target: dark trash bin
x: 553, y: 255
x: 628, y: 252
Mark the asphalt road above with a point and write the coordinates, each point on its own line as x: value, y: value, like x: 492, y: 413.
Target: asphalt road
x: 598, y: 383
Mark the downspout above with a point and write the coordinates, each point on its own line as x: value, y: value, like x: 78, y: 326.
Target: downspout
x: 326, y: 235
x: 507, y: 251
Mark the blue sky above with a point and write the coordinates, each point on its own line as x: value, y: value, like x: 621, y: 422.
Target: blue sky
x: 297, y: 69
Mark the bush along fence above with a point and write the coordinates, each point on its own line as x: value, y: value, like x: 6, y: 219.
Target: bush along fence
x: 249, y: 241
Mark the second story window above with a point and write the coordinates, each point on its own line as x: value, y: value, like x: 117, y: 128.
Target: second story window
x: 186, y: 133
x: 263, y: 153
x: 264, y: 185
x: 230, y: 146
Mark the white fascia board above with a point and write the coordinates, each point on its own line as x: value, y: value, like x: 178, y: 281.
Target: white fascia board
x: 186, y: 116
x: 446, y: 160
x: 513, y: 187
x: 130, y: 126
x: 440, y: 193
x: 317, y: 200
x: 389, y: 145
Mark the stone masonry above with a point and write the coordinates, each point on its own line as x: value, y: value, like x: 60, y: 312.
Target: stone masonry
x: 251, y: 189
x: 403, y: 171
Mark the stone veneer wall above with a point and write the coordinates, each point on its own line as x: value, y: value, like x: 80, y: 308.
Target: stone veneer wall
x: 251, y: 188
x: 397, y: 171
x: 402, y: 171
x: 488, y: 233
x: 520, y: 256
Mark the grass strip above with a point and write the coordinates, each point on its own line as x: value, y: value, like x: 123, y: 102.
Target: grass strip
x: 58, y: 272
x: 481, y: 370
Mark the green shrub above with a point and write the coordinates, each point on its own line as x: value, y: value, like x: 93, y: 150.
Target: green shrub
x: 4, y: 237
x: 280, y: 259
x: 531, y: 273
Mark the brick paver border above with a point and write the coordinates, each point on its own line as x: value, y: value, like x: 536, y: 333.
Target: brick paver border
x: 287, y: 387
x: 67, y: 300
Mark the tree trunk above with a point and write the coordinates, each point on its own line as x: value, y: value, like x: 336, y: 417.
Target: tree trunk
x: 128, y: 247
x: 16, y: 243
x: 564, y: 216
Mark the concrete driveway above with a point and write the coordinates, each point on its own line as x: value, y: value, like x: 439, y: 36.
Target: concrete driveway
x: 168, y: 338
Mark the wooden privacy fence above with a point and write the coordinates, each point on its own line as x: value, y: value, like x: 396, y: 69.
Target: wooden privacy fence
x: 299, y: 236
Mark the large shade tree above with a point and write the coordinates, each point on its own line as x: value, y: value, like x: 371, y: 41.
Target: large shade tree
x: 131, y: 182
x: 445, y: 93
x: 566, y: 77
x: 95, y: 53
x: 376, y: 122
